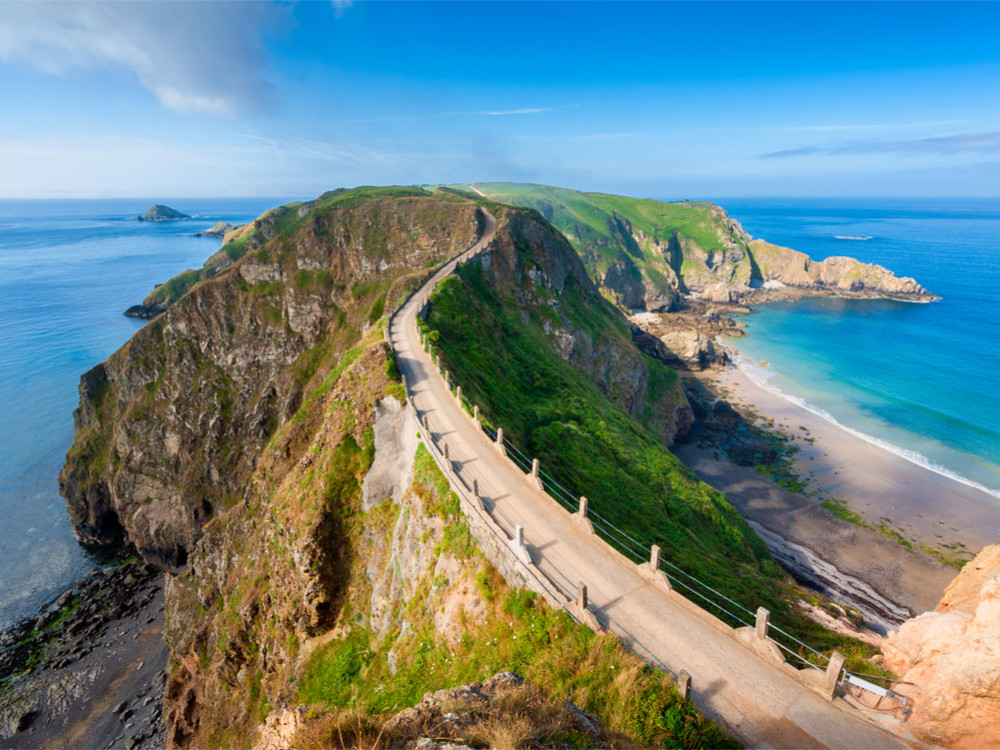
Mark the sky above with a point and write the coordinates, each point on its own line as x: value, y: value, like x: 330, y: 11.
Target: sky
x: 659, y: 99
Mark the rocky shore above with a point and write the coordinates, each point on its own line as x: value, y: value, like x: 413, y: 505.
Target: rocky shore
x: 89, y: 670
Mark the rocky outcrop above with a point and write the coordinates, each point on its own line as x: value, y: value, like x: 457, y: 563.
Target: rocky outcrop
x: 218, y: 230
x: 837, y: 274
x: 159, y: 212
x: 952, y: 657
x: 170, y: 428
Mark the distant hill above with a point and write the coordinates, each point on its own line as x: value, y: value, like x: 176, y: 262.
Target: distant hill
x: 655, y: 256
x: 160, y: 212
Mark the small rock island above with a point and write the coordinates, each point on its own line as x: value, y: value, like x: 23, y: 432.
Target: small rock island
x: 160, y: 212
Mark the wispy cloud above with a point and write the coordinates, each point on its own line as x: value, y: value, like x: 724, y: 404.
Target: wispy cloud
x: 472, y: 113
x: 988, y: 142
x: 870, y: 126
x: 194, y: 57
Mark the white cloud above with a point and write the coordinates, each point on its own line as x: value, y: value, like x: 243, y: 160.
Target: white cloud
x: 954, y: 143
x: 193, y: 56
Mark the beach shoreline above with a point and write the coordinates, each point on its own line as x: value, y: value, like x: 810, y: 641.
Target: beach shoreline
x: 925, y: 506
x: 879, y: 565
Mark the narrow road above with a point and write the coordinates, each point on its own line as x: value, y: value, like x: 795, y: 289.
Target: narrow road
x: 763, y: 703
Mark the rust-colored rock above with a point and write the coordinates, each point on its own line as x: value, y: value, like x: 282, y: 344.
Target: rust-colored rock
x: 952, y: 655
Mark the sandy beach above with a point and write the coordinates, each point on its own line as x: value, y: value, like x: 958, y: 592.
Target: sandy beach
x: 875, y: 483
x: 868, y: 569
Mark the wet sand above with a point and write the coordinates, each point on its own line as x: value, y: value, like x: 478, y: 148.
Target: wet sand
x: 858, y: 565
x: 875, y: 483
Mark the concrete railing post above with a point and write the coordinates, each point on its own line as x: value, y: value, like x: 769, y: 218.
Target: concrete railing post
x: 447, y: 378
x: 499, y: 443
x: 405, y: 389
x: 832, y: 676
x: 684, y: 685
x: 475, y: 413
x: 475, y: 488
x: 427, y: 429
x: 446, y: 457
x: 581, y: 595
x: 654, y: 557
x: 534, y: 468
x: 582, y: 510
x: 519, y: 535
x: 763, y: 622
x: 458, y: 393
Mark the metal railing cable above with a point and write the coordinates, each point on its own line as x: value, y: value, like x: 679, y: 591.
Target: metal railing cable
x: 638, y: 551
x: 621, y: 539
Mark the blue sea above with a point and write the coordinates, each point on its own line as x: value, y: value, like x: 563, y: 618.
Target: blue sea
x: 921, y: 380
x: 68, y: 269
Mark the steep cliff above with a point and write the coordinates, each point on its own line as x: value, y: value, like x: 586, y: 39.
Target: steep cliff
x: 651, y: 255
x: 538, y: 275
x: 949, y: 660
x: 170, y: 428
x: 255, y: 431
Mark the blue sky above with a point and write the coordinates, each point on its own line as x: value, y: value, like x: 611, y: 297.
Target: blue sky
x: 670, y: 100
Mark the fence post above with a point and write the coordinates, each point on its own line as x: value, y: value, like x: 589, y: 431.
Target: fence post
x: 832, y: 676
x: 446, y: 458
x: 684, y: 685
x: 458, y: 393
x: 500, y: 446
x: 582, y: 510
x: 763, y: 622
x: 475, y: 414
x: 581, y: 595
x: 654, y: 557
x: 405, y: 389
x: 426, y: 428
x: 534, y: 469
x: 519, y: 535
x: 447, y: 378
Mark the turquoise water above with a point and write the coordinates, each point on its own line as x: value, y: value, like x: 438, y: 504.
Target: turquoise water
x: 68, y: 269
x: 922, y: 380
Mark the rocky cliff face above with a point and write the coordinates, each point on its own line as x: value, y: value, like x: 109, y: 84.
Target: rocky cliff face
x: 836, y: 274
x: 952, y: 657
x: 541, y: 274
x: 170, y: 428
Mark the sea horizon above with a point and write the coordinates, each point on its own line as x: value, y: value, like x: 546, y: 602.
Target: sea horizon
x: 68, y: 275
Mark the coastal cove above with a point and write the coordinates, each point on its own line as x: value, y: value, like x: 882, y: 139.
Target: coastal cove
x: 888, y: 404
x: 918, y: 380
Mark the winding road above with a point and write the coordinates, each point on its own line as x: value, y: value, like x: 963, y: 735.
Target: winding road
x: 763, y: 703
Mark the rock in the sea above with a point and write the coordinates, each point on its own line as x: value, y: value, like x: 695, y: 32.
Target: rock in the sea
x: 219, y: 230
x: 159, y: 212
x: 952, y: 657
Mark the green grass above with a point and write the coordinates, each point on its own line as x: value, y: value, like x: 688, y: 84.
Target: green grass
x: 556, y: 414
x: 593, y: 223
x: 564, y: 659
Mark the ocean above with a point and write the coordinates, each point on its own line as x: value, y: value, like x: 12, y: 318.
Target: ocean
x: 920, y: 380
x: 68, y: 269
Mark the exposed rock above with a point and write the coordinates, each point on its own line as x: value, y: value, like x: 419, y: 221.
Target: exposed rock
x: 952, y: 655
x: 90, y: 671
x: 171, y: 426
x: 218, y: 230
x: 537, y: 268
x: 839, y: 274
x: 159, y: 212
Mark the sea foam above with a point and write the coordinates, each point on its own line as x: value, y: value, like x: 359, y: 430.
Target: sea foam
x: 762, y: 378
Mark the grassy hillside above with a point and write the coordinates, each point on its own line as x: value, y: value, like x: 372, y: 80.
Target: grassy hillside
x: 671, y: 246
x: 508, y: 365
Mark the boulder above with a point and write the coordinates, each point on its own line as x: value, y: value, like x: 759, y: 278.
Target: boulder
x: 952, y: 657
